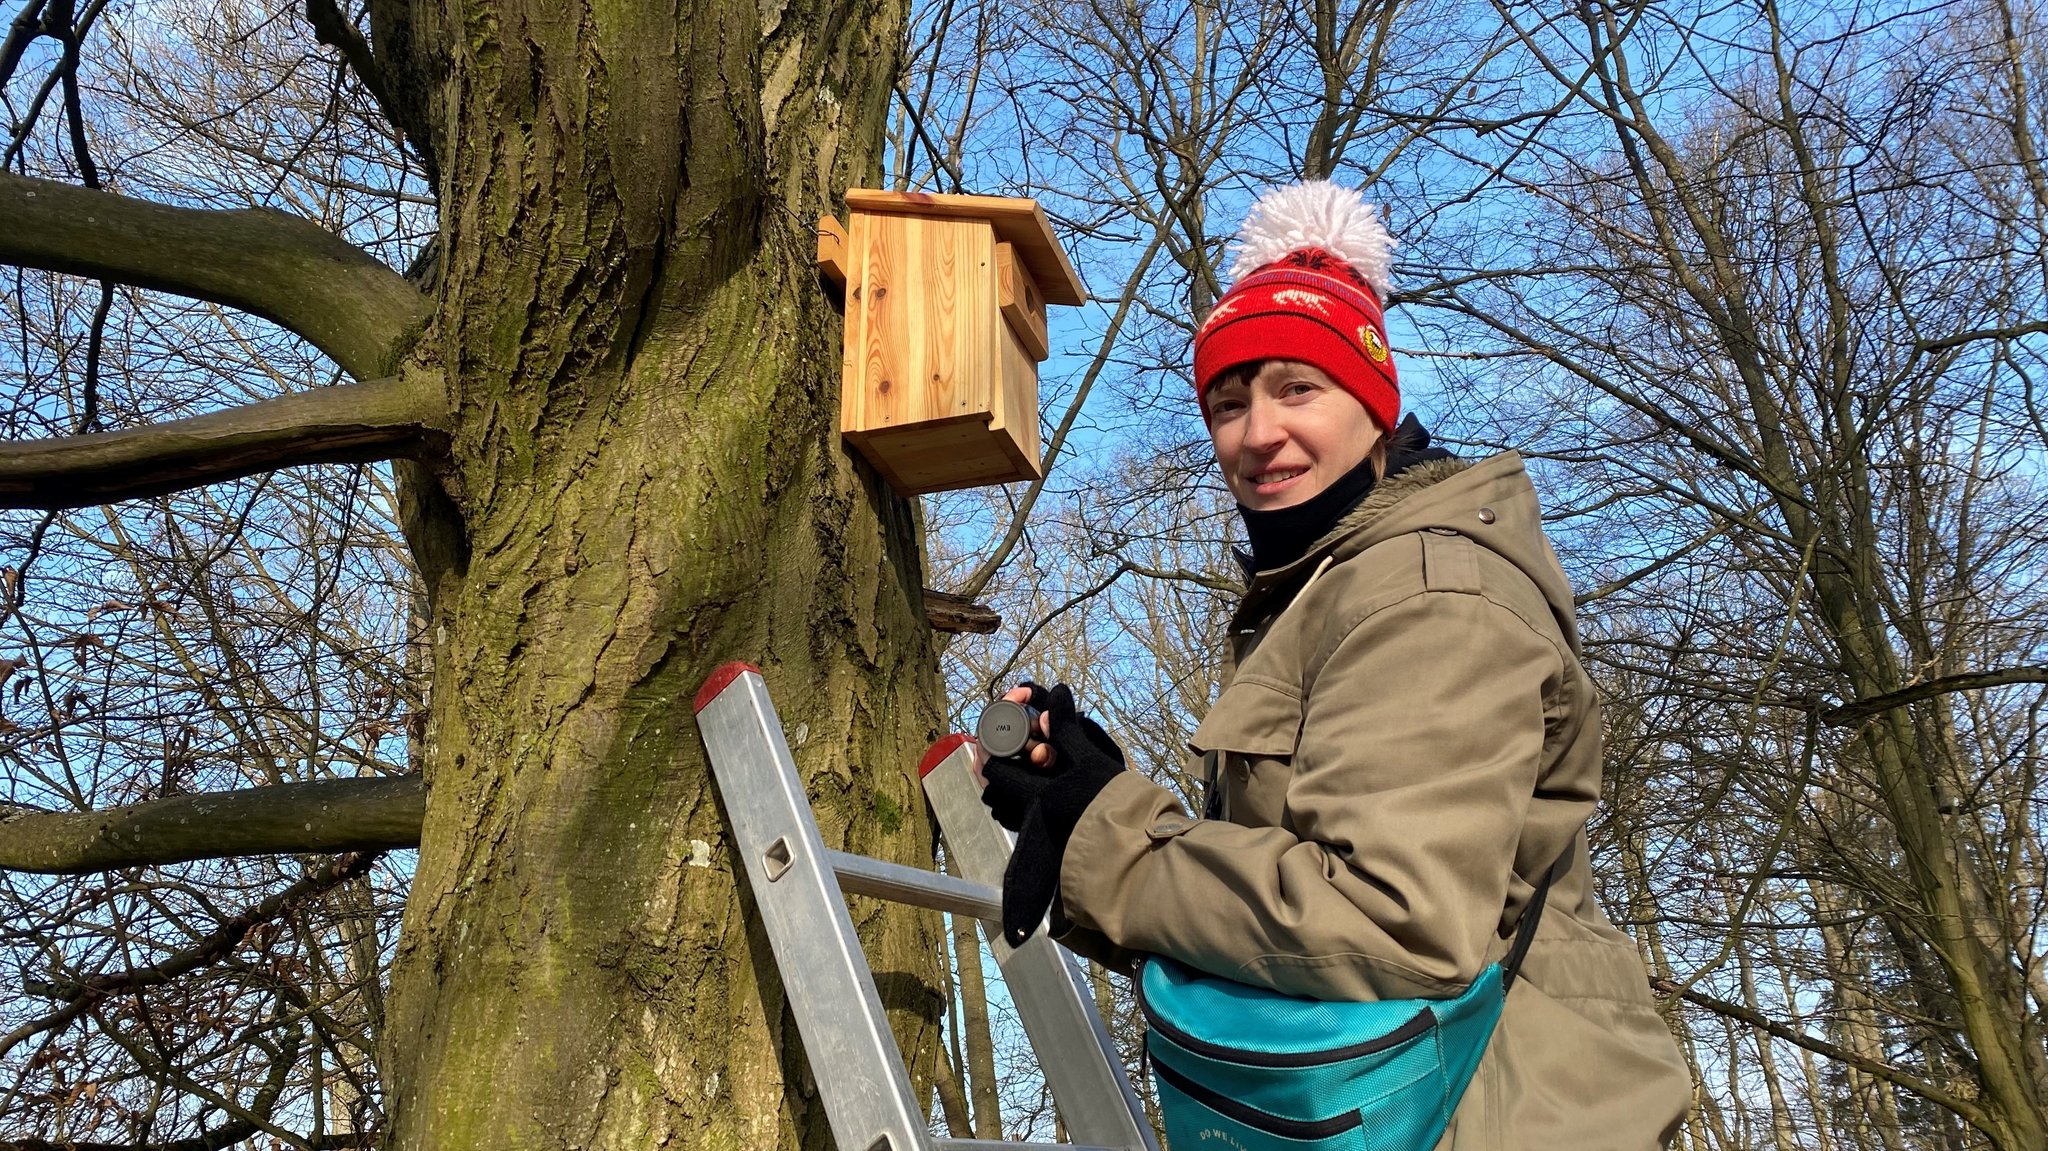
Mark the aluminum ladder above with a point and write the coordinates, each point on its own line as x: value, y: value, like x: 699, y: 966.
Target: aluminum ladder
x: 798, y: 885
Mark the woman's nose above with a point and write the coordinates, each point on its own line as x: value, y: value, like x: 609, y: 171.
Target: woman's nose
x: 1263, y: 428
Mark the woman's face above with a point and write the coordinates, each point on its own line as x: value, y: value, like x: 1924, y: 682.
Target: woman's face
x: 1286, y: 434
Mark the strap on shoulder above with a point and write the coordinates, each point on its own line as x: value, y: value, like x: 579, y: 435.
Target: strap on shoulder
x: 1525, y: 931
x: 1212, y: 785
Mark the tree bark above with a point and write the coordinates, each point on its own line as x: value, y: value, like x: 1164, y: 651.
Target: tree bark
x: 646, y: 462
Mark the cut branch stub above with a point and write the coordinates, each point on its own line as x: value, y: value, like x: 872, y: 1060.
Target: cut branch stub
x: 955, y: 614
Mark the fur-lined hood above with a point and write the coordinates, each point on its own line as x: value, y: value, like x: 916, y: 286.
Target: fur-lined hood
x: 1489, y: 501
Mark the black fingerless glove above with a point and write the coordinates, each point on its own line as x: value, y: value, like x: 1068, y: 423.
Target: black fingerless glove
x: 1043, y: 807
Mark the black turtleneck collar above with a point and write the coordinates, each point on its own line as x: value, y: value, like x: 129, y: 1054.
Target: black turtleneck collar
x: 1283, y: 535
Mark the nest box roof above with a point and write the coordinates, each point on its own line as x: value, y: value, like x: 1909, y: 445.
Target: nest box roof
x: 1017, y: 221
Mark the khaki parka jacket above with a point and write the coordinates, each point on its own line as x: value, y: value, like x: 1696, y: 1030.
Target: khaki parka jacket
x: 1407, y: 743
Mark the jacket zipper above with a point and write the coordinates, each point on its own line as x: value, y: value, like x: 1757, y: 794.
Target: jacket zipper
x: 1253, y: 1117
x: 1420, y: 1023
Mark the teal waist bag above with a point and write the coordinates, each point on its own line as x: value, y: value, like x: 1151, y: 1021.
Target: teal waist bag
x: 1241, y: 1068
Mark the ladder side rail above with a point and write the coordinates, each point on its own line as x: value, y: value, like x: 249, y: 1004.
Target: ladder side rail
x: 1057, y: 1010
x: 853, y: 1056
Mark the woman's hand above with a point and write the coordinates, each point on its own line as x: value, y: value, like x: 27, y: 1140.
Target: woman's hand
x: 1081, y: 738
x: 1031, y: 695
x: 1041, y: 796
x: 1038, y: 754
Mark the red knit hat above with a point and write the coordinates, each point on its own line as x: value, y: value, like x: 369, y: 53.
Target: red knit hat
x: 1313, y: 263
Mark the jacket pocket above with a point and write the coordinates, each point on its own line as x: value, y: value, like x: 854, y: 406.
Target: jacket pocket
x: 1251, y: 718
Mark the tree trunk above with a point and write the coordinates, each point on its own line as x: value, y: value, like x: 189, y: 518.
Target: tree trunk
x: 1873, y: 1107
x: 2015, y: 1116
x: 646, y: 464
x: 987, y: 1110
x: 1783, y: 1134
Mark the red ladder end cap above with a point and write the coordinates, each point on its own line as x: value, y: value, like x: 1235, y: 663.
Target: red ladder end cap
x: 719, y: 681
x: 946, y: 746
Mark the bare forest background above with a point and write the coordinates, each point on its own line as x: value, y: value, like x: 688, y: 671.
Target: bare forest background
x: 1757, y: 288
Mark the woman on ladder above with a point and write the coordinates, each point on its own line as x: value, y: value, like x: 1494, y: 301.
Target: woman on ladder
x: 1405, y: 746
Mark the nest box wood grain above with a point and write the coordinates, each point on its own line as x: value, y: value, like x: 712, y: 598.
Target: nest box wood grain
x: 945, y: 329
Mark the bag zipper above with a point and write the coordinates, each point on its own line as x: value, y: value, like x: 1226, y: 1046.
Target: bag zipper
x: 1304, y: 1129
x: 1421, y: 1022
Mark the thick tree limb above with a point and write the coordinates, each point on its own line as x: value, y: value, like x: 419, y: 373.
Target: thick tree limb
x: 957, y: 613
x: 398, y: 417
x: 1859, y: 710
x: 1875, y: 1068
x: 268, y: 263
x: 324, y: 815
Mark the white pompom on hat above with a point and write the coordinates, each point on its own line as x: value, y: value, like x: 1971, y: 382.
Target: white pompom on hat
x: 1316, y: 214
x: 1313, y: 264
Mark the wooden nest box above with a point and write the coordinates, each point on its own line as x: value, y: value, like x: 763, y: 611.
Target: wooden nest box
x: 945, y: 329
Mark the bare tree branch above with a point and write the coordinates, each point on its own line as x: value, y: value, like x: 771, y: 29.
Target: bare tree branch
x: 320, y: 815
x: 28, y: 24
x: 332, y: 28
x: 984, y: 572
x: 226, y: 1135
x: 398, y: 417
x: 267, y: 263
x: 2030, y: 328
x: 1097, y: 588
x: 216, y: 945
x: 238, y: 1127
x: 1876, y: 1068
x: 1862, y: 709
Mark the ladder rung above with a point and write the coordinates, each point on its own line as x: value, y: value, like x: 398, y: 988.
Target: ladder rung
x: 1007, y: 1145
x: 860, y: 875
